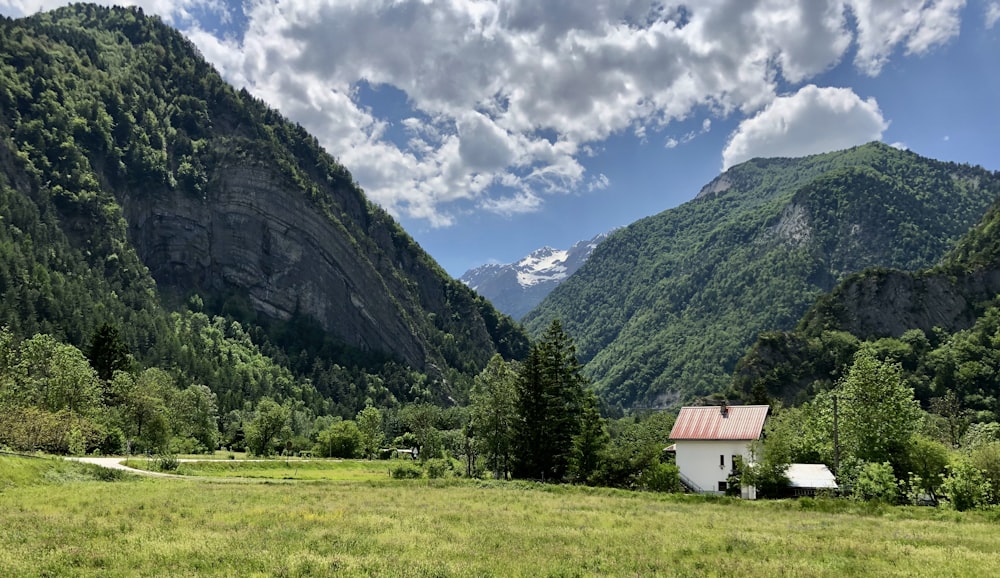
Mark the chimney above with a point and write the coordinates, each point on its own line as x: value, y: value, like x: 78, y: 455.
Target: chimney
x: 724, y: 409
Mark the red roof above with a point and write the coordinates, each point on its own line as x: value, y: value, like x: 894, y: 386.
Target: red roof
x: 734, y: 422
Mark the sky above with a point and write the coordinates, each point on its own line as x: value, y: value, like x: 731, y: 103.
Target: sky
x: 490, y: 128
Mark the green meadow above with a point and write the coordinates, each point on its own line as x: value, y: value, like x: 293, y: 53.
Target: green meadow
x: 59, y: 519
x: 331, y: 470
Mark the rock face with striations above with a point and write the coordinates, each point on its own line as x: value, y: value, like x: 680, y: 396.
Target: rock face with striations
x: 254, y: 233
x: 223, y: 197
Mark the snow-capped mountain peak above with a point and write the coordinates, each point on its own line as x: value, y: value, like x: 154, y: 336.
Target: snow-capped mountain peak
x: 516, y: 288
x: 545, y: 264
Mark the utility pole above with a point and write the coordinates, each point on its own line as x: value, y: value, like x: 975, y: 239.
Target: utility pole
x: 836, y: 439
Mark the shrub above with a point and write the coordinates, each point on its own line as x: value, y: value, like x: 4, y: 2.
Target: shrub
x: 166, y: 463
x: 438, y: 468
x: 406, y: 470
x: 661, y: 478
x: 188, y: 445
x: 76, y: 443
x: 966, y: 487
x: 876, y: 482
x: 986, y: 459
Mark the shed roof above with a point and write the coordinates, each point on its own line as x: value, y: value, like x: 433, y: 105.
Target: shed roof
x: 810, y: 476
x: 734, y: 422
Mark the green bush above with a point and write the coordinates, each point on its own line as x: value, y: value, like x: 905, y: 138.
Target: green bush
x: 876, y: 482
x: 661, y: 478
x: 986, y: 459
x: 166, y: 463
x: 966, y: 487
x: 405, y: 471
x: 438, y: 468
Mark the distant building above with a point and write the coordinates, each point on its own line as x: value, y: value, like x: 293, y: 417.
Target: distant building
x: 807, y: 479
x: 708, y: 440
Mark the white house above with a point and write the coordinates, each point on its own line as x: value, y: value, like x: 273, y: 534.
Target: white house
x: 707, y: 440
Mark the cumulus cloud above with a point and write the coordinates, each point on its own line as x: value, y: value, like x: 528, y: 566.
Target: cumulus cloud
x: 992, y: 14
x: 918, y: 25
x: 508, y: 96
x: 813, y: 120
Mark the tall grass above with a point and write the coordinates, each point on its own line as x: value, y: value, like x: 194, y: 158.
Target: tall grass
x: 341, y: 470
x: 20, y: 471
x: 456, y: 528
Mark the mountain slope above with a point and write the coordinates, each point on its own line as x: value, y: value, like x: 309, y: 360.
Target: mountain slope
x: 139, y: 175
x: 925, y: 320
x: 664, y: 308
x: 517, y: 288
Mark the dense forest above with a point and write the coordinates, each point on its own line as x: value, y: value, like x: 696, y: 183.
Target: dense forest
x: 940, y: 324
x: 113, y: 129
x: 664, y: 308
x: 911, y: 363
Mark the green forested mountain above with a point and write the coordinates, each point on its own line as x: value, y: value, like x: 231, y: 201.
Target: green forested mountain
x: 664, y: 308
x: 139, y: 190
x: 942, y: 325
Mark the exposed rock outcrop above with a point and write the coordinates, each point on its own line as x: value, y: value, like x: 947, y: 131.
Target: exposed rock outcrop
x: 253, y: 233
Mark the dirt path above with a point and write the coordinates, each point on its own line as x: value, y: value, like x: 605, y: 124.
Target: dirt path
x: 116, y: 464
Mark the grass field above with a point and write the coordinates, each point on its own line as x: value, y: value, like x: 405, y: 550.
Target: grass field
x: 339, y: 470
x: 156, y: 527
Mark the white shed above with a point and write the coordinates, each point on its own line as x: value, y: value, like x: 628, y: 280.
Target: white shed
x: 708, y: 439
x: 807, y: 479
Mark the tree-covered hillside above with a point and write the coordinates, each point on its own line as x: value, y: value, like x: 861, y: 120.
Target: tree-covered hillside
x: 665, y: 307
x: 139, y: 190
x: 940, y: 324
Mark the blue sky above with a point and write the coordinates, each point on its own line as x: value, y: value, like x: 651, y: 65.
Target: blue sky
x: 490, y: 128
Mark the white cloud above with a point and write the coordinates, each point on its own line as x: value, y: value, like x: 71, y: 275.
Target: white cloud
x: 523, y: 202
x: 508, y: 96
x: 813, y: 120
x: 598, y: 183
x: 992, y: 14
x: 900, y: 145
x: 884, y: 25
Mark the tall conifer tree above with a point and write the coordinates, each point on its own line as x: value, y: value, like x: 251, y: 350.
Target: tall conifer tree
x: 550, y: 400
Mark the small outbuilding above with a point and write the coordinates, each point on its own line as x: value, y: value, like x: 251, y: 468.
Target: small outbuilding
x: 807, y: 479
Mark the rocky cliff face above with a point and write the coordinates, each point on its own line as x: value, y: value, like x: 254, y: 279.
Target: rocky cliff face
x: 885, y: 303
x: 254, y: 233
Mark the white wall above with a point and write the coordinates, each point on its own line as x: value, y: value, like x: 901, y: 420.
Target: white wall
x: 699, y: 460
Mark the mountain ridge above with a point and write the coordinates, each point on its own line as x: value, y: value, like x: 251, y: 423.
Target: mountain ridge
x: 517, y: 288
x: 665, y: 308
x: 937, y: 323
x: 173, y: 187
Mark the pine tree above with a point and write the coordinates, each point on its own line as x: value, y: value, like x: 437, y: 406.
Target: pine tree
x: 550, y: 402
x: 591, y: 443
x: 108, y: 352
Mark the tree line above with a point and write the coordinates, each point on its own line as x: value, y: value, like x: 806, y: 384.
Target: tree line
x: 871, y: 430
x: 537, y: 419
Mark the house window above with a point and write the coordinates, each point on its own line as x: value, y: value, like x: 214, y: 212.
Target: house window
x: 723, y: 486
x: 722, y: 461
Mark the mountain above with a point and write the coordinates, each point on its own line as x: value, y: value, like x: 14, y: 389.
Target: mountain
x: 517, y: 288
x: 939, y: 323
x: 664, y: 308
x: 136, y: 182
